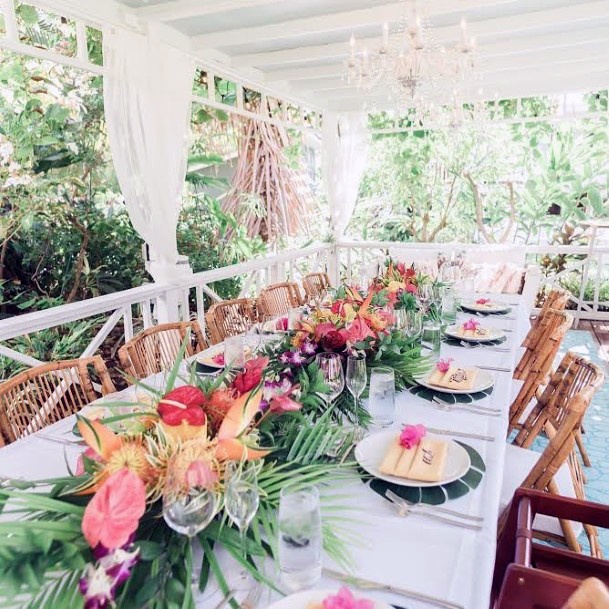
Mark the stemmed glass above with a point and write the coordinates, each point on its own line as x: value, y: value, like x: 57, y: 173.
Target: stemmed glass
x: 357, y: 379
x: 425, y: 296
x: 188, y: 507
x: 331, y: 367
x: 414, y: 325
x: 241, y: 495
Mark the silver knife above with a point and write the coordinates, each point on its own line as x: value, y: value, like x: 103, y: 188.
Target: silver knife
x: 496, y: 369
x: 367, y: 584
x: 460, y: 434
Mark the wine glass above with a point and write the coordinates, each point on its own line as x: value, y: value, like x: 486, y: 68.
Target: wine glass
x: 414, y: 325
x: 188, y: 506
x: 357, y: 379
x: 425, y: 296
x: 241, y: 495
x: 331, y: 367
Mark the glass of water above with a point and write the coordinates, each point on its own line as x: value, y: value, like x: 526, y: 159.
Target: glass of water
x: 300, y: 537
x: 234, y: 352
x: 381, y: 403
x: 432, y: 338
x: 414, y: 325
x: 449, y: 307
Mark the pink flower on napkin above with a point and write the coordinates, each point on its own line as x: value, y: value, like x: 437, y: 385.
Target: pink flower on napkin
x: 218, y: 359
x: 483, y: 301
x: 443, y: 365
x: 471, y: 324
x: 412, y: 434
x: 345, y: 600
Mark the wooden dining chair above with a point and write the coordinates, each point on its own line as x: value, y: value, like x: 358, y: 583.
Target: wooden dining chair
x: 230, y: 318
x: 549, y: 471
x: 155, y: 349
x: 279, y: 298
x: 315, y: 284
x: 537, y: 363
x: 43, y: 395
x: 530, y: 575
x: 573, y: 374
x: 556, y: 300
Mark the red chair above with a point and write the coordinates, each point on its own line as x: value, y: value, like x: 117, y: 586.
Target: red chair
x: 531, y: 575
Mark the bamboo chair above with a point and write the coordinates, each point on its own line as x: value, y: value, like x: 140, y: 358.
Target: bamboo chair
x: 549, y: 471
x: 230, y: 318
x: 538, y: 362
x: 315, y: 284
x: 556, y: 300
x: 155, y: 349
x: 46, y: 394
x: 573, y: 374
x: 279, y: 298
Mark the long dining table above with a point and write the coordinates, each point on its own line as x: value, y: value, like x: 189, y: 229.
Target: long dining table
x: 414, y: 552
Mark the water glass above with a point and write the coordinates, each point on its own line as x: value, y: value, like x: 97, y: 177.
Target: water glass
x: 300, y: 537
x: 425, y: 296
x: 449, y: 308
x: 234, y: 352
x: 331, y: 367
x: 357, y: 379
x: 400, y: 317
x: 432, y: 338
x: 294, y: 317
x: 381, y: 403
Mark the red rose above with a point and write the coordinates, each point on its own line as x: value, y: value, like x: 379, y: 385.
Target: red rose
x: 183, y: 404
x: 333, y: 341
x: 251, y: 375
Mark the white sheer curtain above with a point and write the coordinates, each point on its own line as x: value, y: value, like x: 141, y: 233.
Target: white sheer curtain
x: 345, y: 153
x: 147, y: 93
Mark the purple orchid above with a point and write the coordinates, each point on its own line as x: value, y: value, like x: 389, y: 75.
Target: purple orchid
x: 297, y: 358
x: 308, y: 347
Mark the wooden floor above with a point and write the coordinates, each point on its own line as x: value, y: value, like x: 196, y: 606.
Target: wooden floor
x: 600, y: 330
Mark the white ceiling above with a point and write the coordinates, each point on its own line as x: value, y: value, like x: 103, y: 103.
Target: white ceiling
x: 298, y: 47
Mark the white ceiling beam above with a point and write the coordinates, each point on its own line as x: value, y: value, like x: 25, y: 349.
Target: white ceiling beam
x: 590, y: 56
x: 185, y: 9
x: 576, y: 15
x: 383, y: 13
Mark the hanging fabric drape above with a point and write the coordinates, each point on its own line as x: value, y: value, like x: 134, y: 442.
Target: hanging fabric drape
x: 147, y: 96
x: 345, y: 153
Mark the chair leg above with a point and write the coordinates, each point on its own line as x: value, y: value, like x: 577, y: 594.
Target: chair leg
x: 582, y: 449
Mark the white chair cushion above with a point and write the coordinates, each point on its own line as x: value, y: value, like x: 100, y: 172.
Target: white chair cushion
x: 518, y: 463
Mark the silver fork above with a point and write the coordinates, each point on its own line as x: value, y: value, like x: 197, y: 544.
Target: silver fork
x: 404, y: 510
x: 252, y: 598
x: 433, y: 508
x: 489, y: 412
x: 467, y: 345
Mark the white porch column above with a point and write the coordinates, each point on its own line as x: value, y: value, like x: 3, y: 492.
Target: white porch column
x: 147, y: 96
x: 345, y: 139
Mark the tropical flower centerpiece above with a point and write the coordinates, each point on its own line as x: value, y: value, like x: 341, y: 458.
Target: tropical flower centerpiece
x: 400, y: 284
x: 107, y: 535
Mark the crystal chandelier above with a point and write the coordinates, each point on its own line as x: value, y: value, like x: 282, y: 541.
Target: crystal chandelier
x: 411, y: 63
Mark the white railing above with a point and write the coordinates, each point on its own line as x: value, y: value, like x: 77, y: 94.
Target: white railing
x: 343, y: 261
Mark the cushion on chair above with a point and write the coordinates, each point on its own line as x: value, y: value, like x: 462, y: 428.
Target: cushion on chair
x: 518, y: 463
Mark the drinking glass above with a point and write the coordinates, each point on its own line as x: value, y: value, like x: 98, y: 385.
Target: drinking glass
x: 449, y: 307
x: 357, y: 379
x: 187, y: 508
x: 300, y: 537
x: 294, y: 316
x: 414, y: 324
x: 401, y: 319
x: 331, y: 367
x: 241, y: 495
x: 234, y: 352
x: 425, y: 296
x: 432, y: 337
x: 381, y: 403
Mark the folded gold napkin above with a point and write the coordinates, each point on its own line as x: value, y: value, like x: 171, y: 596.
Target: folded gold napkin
x: 486, y: 305
x: 477, y: 333
x: 454, y: 378
x: 429, y: 461
x: 424, y: 462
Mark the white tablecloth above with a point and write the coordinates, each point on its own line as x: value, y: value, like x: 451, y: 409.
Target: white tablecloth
x: 413, y: 552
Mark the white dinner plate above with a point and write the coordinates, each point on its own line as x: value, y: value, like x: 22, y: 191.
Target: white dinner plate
x: 500, y: 307
x: 206, y: 357
x: 371, y: 451
x: 303, y: 600
x: 494, y: 334
x: 484, y: 380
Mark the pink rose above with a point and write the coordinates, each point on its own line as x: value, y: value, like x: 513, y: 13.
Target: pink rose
x: 443, y: 365
x: 114, y: 512
x: 345, y: 600
x: 412, y: 434
x: 471, y: 324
